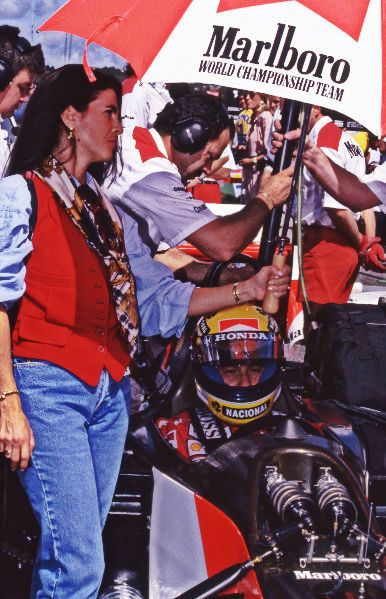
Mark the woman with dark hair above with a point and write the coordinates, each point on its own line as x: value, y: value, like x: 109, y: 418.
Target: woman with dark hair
x: 65, y: 394
x: 43, y: 126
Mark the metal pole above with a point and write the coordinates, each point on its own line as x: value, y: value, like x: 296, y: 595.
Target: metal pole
x: 283, y: 159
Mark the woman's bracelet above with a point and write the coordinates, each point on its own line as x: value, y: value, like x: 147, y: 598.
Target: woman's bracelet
x: 268, y: 197
x: 5, y: 394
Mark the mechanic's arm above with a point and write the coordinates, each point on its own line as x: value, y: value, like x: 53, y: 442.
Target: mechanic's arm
x: 16, y: 435
x: 224, y: 237
x: 369, y: 220
x: 341, y: 184
x: 346, y: 224
x: 371, y: 252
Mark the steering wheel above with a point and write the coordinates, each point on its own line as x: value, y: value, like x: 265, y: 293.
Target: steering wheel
x: 213, y: 275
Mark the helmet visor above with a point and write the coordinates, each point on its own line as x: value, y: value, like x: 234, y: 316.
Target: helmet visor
x: 238, y: 347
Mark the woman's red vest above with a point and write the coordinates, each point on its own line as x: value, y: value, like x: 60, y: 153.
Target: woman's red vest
x: 67, y: 315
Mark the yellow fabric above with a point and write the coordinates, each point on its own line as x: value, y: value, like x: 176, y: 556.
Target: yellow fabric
x: 244, y: 121
x: 362, y: 138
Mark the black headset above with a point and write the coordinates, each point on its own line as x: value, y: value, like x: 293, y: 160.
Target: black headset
x: 192, y: 134
x: 22, y: 45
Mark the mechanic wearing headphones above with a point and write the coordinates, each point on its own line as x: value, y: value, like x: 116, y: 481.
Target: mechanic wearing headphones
x: 187, y: 137
x: 20, y: 64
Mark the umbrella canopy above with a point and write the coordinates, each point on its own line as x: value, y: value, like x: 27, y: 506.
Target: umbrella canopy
x: 326, y: 52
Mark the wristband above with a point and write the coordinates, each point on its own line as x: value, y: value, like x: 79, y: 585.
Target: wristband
x: 236, y: 293
x: 5, y: 394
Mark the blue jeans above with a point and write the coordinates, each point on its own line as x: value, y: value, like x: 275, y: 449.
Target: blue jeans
x: 79, y: 433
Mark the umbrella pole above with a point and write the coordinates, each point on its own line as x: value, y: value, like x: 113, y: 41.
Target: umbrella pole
x: 270, y: 302
x: 283, y: 158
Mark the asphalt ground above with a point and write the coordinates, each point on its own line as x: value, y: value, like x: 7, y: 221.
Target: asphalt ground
x: 369, y: 287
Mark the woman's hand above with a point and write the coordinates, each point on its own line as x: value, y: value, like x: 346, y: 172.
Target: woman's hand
x: 269, y: 278
x: 16, y: 436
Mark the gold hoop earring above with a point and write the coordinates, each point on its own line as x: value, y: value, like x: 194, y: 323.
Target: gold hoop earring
x: 70, y: 135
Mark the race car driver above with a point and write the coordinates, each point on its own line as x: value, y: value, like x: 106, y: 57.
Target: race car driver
x: 236, y: 357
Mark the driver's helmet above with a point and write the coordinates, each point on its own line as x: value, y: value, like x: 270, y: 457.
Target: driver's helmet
x: 236, y: 362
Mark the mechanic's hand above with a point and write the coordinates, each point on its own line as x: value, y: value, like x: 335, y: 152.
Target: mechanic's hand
x: 372, y: 254
x: 269, y: 278
x: 16, y: 436
x: 375, y: 258
x: 313, y: 157
x: 274, y: 189
x: 278, y: 137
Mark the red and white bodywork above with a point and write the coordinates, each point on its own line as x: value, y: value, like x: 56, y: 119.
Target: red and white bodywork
x: 191, y: 540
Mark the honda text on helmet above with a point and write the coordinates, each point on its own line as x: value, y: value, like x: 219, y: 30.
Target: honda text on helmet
x: 236, y: 357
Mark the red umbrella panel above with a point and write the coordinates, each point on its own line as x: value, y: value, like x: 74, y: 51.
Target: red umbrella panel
x: 326, y: 52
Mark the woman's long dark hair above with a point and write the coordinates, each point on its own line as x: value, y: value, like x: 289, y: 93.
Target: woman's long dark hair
x: 42, y: 125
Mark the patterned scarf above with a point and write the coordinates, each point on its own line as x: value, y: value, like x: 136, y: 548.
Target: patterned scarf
x: 99, y: 223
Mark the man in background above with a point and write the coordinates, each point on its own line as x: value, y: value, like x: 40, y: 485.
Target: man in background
x: 20, y: 65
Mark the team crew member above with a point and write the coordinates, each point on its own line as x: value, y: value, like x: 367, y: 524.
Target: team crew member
x: 20, y: 64
x: 187, y: 137
x: 87, y: 288
x: 331, y: 238
x: 357, y: 193
x: 142, y: 103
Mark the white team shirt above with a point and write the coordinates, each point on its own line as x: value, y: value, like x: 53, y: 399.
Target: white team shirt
x: 151, y: 190
x: 344, y: 151
x: 141, y: 106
